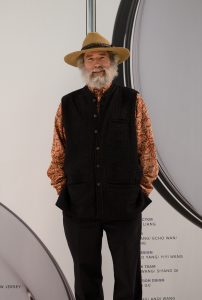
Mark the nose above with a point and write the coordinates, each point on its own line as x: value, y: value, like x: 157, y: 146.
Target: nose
x: 98, y: 66
x: 97, y: 63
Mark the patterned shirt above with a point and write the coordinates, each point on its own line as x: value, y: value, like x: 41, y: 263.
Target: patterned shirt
x: 145, y: 146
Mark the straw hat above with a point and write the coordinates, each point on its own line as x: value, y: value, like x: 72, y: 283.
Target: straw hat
x: 96, y: 42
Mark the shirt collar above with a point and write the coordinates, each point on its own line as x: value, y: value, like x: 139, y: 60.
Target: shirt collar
x: 99, y: 92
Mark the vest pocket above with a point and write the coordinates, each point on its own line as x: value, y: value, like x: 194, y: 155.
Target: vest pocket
x: 120, y: 121
x: 63, y: 200
x: 123, y: 201
x: 81, y: 200
x: 76, y: 200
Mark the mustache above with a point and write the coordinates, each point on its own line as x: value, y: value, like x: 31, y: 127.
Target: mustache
x: 99, y: 69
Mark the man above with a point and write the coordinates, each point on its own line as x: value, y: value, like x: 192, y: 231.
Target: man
x: 103, y: 166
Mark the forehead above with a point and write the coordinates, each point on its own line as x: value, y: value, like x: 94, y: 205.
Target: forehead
x: 96, y: 53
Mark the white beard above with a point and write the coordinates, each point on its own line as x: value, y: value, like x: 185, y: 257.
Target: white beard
x: 98, y: 81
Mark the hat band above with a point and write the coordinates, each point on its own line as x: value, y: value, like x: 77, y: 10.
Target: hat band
x: 96, y: 45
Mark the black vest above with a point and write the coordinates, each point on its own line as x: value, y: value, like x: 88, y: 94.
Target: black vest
x: 101, y: 161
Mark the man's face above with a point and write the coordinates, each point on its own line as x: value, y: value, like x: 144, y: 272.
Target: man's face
x: 98, y: 70
x: 96, y: 62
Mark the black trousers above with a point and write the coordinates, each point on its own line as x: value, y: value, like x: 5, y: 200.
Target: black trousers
x: 85, y: 242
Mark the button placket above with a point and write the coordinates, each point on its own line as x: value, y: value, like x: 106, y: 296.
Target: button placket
x: 96, y: 132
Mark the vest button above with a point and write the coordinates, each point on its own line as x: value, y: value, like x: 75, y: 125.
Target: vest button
x: 98, y: 183
x: 97, y: 166
x: 95, y: 116
x: 97, y: 148
x: 95, y: 131
x: 94, y: 100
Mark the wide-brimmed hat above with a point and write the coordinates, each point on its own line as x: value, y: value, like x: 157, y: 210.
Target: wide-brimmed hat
x: 96, y: 42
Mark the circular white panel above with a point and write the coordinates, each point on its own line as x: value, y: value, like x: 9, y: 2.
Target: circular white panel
x: 27, y: 269
x: 167, y: 48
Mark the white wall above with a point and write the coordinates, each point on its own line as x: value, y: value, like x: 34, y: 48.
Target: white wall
x: 34, y: 37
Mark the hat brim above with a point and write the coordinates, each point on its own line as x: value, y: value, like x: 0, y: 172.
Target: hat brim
x: 123, y: 54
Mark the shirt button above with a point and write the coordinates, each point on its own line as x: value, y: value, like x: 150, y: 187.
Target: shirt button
x: 94, y: 100
x: 98, y: 183
x: 97, y: 166
x: 95, y: 116
x: 97, y: 148
x: 95, y: 131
